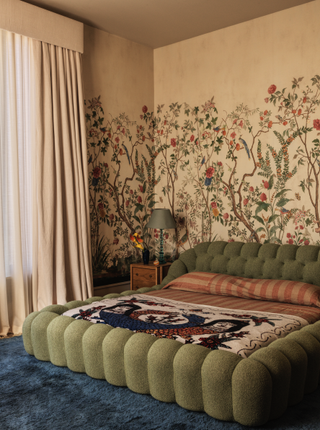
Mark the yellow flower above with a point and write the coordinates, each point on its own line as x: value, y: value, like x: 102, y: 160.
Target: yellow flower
x: 137, y: 241
x: 215, y: 212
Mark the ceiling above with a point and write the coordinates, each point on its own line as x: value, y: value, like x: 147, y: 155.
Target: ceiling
x: 158, y: 23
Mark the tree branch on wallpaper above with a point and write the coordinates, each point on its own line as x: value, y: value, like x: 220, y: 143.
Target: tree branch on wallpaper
x: 248, y: 174
x: 121, y: 186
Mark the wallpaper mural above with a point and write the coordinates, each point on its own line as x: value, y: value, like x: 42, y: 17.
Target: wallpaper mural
x: 250, y: 175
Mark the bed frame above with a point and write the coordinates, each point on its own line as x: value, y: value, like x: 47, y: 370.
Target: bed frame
x: 250, y: 390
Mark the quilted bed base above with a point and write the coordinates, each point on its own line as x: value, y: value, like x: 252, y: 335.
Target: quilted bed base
x: 250, y: 391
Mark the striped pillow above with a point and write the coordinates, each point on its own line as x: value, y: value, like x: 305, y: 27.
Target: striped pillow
x: 265, y: 289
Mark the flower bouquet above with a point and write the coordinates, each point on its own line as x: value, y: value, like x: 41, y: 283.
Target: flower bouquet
x: 138, y: 242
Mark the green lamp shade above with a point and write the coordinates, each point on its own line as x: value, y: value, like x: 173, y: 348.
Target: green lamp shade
x: 161, y: 219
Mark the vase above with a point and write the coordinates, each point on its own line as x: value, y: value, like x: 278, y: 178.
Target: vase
x: 145, y: 256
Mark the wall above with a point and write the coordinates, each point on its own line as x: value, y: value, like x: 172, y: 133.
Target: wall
x: 118, y: 83
x: 237, y: 136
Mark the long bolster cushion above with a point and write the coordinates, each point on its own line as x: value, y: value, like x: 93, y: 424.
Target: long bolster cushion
x: 276, y: 290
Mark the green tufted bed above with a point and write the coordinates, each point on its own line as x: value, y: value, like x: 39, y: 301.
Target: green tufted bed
x: 225, y: 385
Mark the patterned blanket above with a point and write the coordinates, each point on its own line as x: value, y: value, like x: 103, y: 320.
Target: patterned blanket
x: 241, y: 332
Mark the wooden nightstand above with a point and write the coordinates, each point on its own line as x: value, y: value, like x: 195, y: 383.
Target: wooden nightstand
x: 147, y: 275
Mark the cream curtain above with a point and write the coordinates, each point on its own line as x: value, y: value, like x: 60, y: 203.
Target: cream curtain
x: 62, y: 203
x: 15, y: 182
x: 45, y: 254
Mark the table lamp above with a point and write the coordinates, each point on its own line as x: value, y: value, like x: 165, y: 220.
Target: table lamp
x: 161, y: 219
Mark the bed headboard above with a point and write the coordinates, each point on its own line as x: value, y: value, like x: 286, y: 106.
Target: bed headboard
x: 250, y: 260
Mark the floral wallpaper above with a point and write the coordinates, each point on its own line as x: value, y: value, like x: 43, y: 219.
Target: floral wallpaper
x: 251, y: 174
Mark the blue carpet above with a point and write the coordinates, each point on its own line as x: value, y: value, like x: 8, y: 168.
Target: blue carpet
x: 36, y: 395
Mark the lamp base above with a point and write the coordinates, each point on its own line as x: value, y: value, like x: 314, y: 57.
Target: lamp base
x: 161, y: 255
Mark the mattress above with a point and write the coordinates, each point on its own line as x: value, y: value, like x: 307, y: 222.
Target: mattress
x: 236, y: 324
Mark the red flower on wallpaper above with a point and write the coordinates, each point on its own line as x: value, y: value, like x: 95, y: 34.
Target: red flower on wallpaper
x: 251, y: 189
x: 269, y: 124
x: 141, y: 188
x: 100, y: 205
x: 192, y: 138
x: 173, y: 142
x: 233, y: 135
x: 266, y: 184
x: 245, y: 202
x: 213, y: 205
x: 139, y: 199
x: 263, y: 197
x: 144, y: 109
x: 272, y: 89
x: 210, y: 172
x: 96, y: 172
x: 316, y: 124
x: 225, y: 215
x: 115, y: 241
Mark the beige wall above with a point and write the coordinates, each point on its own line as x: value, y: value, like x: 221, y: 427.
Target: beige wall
x: 237, y: 65
x: 119, y: 70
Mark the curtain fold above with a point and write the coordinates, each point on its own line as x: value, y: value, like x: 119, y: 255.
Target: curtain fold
x: 45, y: 255
x: 64, y: 265
x: 15, y: 170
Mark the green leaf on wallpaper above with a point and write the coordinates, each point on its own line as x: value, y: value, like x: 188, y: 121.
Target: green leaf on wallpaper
x: 259, y: 219
x: 151, y: 204
x: 262, y: 206
x: 260, y: 229
x: 280, y: 193
x: 151, y: 196
x: 138, y: 208
x: 270, y: 182
x: 273, y: 218
x: 136, y: 218
x: 282, y: 202
x: 273, y: 229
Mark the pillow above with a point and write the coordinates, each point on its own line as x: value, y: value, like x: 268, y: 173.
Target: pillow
x: 264, y: 289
